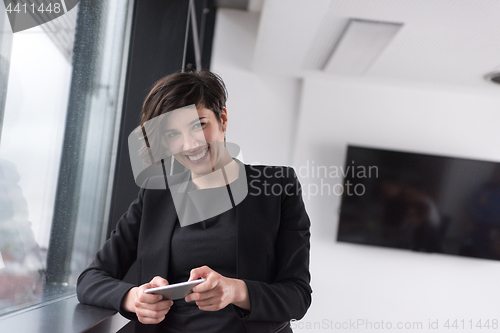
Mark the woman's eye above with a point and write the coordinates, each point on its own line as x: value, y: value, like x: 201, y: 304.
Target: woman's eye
x: 171, y: 134
x: 199, y: 125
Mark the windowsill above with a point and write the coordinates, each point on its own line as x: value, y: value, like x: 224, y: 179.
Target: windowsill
x: 64, y: 316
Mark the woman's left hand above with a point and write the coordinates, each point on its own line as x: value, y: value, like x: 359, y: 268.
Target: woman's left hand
x: 217, y: 291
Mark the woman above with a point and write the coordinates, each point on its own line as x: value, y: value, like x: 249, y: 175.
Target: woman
x: 254, y: 253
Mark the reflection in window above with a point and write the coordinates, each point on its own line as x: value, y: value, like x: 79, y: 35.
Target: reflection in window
x: 37, y: 87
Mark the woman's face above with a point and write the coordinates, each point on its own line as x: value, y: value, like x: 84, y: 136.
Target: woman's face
x: 195, y: 138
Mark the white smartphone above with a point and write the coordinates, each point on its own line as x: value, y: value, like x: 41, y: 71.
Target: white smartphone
x: 175, y: 291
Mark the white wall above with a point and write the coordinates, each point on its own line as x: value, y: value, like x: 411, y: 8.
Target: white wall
x: 261, y: 109
x: 352, y: 282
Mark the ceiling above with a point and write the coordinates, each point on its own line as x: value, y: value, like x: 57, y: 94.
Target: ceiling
x: 441, y: 41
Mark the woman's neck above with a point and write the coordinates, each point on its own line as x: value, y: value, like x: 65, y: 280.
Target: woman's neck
x: 221, y: 176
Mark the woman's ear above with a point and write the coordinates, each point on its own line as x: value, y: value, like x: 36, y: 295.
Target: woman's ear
x: 223, y: 119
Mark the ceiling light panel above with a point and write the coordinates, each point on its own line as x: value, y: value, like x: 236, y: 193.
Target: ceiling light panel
x: 360, y: 44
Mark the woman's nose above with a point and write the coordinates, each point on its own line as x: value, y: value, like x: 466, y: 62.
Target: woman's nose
x: 190, y: 143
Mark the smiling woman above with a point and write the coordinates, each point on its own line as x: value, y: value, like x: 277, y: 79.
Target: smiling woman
x: 253, y: 250
x: 193, y: 137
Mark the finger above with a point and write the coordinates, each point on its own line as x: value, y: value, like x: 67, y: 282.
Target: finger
x: 164, y: 305
x: 142, y: 297
x: 149, y: 298
x: 201, y: 296
x: 155, y: 315
x: 158, y: 281
x: 200, y: 272
x: 150, y: 317
x: 145, y: 320
x: 212, y: 280
x: 159, y: 306
x: 209, y: 302
x: 146, y: 313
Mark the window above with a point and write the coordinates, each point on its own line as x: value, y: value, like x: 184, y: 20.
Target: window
x: 61, y: 87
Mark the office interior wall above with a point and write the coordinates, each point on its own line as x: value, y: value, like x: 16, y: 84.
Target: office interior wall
x: 262, y: 109
x: 352, y: 282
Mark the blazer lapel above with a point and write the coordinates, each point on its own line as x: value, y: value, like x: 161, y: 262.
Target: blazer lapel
x: 157, y: 235
x: 252, y: 250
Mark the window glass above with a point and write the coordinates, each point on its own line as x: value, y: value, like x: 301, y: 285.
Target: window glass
x: 40, y: 71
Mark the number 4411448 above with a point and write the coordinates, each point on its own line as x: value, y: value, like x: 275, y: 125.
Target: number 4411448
x: 462, y: 324
x: 32, y: 8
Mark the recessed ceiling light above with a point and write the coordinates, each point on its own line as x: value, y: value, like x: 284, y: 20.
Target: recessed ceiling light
x: 360, y: 45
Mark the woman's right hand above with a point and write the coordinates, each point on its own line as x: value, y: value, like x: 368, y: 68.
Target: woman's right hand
x: 149, y: 308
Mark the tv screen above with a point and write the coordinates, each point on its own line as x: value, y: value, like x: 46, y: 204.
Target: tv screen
x: 421, y: 202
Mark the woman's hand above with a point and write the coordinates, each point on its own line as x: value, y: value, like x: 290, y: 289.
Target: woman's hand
x: 149, y: 308
x: 218, y: 291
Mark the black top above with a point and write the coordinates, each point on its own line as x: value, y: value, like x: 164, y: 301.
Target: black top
x: 212, y: 243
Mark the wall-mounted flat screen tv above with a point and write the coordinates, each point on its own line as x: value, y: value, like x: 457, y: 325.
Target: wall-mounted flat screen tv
x: 421, y: 202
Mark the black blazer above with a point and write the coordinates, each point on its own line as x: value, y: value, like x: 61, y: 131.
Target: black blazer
x: 273, y: 250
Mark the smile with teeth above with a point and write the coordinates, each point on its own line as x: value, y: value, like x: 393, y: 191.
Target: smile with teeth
x: 199, y: 156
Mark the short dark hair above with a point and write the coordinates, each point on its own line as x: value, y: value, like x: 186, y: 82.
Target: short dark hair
x: 202, y: 88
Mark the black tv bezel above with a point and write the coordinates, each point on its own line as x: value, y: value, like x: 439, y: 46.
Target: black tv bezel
x: 413, y: 153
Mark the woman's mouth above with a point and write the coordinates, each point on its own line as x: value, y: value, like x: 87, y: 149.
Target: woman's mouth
x: 198, y: 157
